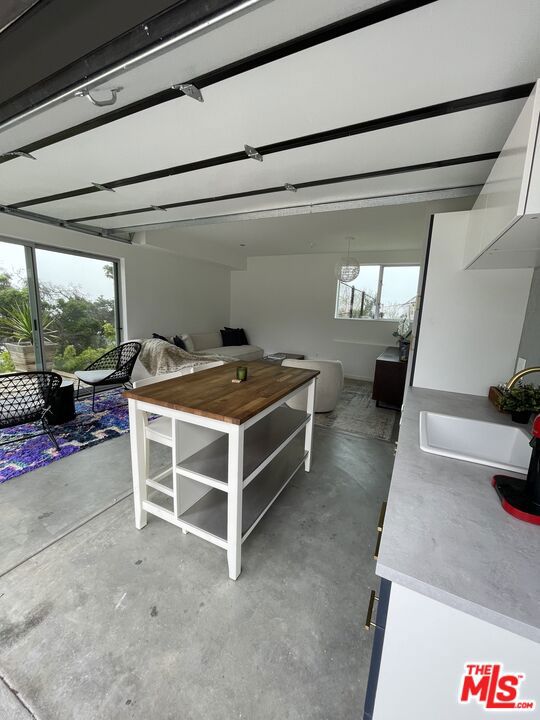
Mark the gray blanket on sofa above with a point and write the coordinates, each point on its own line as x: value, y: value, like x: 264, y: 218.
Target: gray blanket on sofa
x: 159, y: 356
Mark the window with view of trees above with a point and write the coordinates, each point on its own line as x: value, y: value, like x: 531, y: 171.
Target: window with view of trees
x: 380, y: 292
x: 74, y: 300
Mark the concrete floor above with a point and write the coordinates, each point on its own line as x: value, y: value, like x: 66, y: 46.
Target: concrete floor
x: 99, y: 620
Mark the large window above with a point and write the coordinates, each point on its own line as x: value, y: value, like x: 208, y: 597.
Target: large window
x: 58, y: 310
x: 380, y: 292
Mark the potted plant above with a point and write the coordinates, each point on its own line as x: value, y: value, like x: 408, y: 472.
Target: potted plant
x: 16, y: 325
x: 403, y: 333
x: 521, y: 400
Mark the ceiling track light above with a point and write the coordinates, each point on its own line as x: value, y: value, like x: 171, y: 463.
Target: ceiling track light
x: 19, y: 153
x: 190, y: 90
x: 253, y: 153
x: 290, y: 187
x: 99, y: 103
x: 158, y: 208
x: 103, y: 187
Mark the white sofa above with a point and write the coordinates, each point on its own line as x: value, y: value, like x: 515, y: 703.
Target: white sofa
x: 328, y: 388
x: 211, y: 343
x: 207, y: 343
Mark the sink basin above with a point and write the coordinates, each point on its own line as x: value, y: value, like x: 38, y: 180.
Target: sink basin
x: 485, y: 443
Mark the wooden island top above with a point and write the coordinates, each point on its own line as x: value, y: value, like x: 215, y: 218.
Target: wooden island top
x: 212, y: 394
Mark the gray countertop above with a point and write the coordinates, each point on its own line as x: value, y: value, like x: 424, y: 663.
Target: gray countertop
x: 445, y: 532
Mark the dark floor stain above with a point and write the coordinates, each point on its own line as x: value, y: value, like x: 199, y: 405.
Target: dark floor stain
x: 128, y: 702
x: 153, y: 611
x: 138, y: 562
x: 45, y: 515
x: 12, y: 632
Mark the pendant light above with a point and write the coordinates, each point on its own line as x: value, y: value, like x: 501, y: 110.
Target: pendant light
x: 348, y: 268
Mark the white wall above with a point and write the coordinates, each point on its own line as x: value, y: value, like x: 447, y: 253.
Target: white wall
x: 287, y: 303
x: 161, y: 291
x: 471, y: 319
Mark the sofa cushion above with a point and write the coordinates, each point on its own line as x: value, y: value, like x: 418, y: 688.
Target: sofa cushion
x: 177, y: 340
x: 241, y: 333
x: 233, y: 336
x: 204, y: 341
x: 188, y: 342
x: 157, y: 336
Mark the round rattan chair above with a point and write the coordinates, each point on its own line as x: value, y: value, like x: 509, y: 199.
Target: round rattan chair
x: 26, y: 397
x: 113, y: 368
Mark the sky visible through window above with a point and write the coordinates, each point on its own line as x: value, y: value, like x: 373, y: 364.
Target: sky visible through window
x: 60, y: 269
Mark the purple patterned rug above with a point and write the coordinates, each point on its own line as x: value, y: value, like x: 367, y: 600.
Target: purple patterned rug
x: 109, y: 421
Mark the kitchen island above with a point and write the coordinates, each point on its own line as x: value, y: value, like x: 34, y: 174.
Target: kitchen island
x: 460, y: 578
x: 247, y: 449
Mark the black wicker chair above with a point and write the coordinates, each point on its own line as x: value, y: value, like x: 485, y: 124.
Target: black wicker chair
x: 26, y: 397
x: 113, y: 368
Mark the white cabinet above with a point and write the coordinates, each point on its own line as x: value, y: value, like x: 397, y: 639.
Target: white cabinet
x: 504, y: 224
x: 427, y: 646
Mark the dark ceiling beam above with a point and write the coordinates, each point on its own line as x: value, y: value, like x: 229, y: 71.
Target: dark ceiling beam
x: 67, y: 42
x: 433, y: 165
x: 409, y: 116
x: 362, y: 19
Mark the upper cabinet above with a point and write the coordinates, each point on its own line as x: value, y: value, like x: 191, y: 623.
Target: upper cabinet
x: 504, y: 224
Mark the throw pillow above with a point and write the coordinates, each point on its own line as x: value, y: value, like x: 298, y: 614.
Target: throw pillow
x: 179, y: 342
x: 188, y: 342
x: 229, y: 338
x: 240, y: 335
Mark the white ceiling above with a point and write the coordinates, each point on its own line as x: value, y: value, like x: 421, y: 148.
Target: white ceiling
x: 443, y: 51
x: 397, y: 228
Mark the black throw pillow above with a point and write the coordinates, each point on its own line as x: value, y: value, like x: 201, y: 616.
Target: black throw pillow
x: 240, y: 335
x: 177, y: 340
x: 157, y: 336
x: 231, y: 337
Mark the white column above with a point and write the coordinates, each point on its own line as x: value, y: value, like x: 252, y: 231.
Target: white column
x: 234, y: 500
x: 139, y: 461
x: 308, y: 444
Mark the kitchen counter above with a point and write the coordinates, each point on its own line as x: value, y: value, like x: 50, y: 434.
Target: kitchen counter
x: 445, y: 533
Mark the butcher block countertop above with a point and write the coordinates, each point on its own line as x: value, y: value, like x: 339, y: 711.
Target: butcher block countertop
x: 212, y: 394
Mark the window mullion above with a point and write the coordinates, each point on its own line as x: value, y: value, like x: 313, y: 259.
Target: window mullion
x: 379, y: 293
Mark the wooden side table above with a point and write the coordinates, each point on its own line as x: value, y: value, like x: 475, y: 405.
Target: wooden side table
x: 389, y: 380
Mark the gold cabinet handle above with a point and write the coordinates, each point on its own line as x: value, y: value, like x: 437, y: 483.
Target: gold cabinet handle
x: 377, y: 545
x: 382, y: 514
x: 369, y: 622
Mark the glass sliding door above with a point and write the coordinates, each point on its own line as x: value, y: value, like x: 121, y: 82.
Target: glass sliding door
x: 20, y: 349
x: 78, y: 301
x: 58, y: 310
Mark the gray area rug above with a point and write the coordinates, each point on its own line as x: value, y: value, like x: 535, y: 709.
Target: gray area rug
x: 357, y: 414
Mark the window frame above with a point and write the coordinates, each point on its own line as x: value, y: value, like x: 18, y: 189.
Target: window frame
x: 34, y: 292
x: 381, y: 267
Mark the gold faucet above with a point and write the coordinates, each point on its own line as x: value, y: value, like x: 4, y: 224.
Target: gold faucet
x: 519, y: 375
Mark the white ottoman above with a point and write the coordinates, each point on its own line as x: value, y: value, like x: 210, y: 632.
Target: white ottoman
x: 329, y: 384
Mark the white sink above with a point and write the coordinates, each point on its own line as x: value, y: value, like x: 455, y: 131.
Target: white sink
x: 485, y: 443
